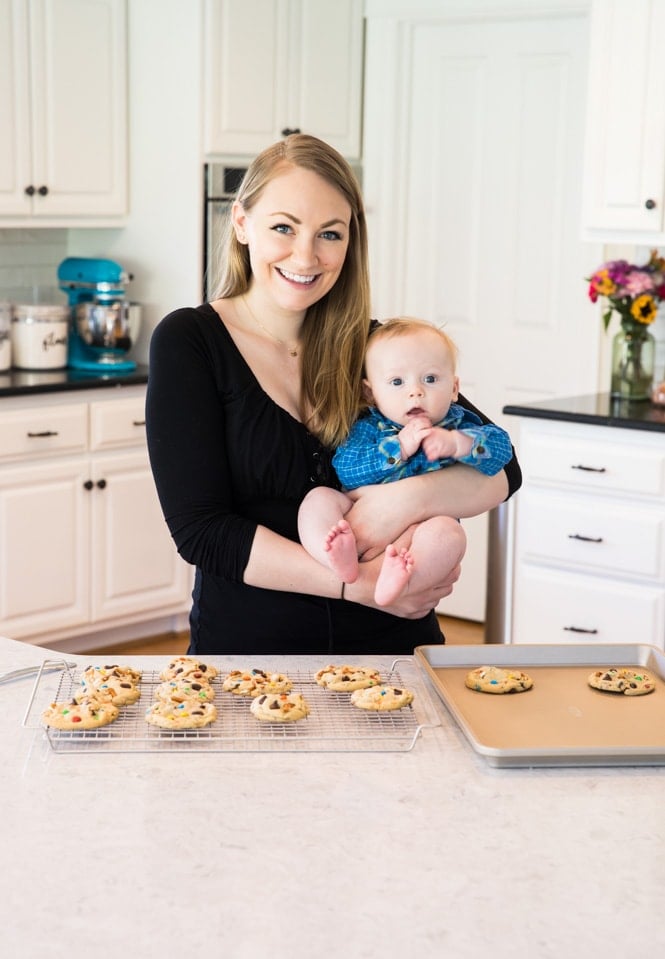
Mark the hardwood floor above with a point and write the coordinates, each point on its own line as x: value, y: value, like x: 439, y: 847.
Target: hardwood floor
x: 175, y: 644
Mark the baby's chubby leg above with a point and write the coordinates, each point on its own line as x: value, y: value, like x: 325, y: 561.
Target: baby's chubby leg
x: 437, y: 547
x: 325, y: 533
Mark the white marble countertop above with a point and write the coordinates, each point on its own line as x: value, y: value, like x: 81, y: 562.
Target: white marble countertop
x: 426, y: 853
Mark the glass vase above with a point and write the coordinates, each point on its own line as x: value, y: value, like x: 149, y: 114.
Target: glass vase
x: 633, y: 358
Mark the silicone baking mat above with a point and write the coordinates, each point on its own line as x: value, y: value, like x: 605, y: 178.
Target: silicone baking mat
x: 561, y: 721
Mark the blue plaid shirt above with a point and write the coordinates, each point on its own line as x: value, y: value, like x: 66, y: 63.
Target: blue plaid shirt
x: 372, y: 453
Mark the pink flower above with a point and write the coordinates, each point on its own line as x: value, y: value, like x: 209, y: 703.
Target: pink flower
x: 638, y: 282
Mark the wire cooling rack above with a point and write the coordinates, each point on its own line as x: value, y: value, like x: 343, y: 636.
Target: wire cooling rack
x: 333, y: 725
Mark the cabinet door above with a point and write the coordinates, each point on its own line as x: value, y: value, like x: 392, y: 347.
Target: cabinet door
x: 135, y: 566
x: 78, y: 81
x: 15, y: 149
x: 624, y: 185
x: 276, y: 65
x: 44, y: 548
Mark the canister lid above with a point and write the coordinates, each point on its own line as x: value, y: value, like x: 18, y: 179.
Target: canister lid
x: 40, y: 313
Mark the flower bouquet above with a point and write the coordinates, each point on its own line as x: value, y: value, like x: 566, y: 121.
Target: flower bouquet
x: 634, y: 293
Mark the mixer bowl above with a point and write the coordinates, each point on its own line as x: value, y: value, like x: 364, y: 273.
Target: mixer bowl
x: 108, y: 326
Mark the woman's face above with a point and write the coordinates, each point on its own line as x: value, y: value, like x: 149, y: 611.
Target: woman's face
x: 298, y: 235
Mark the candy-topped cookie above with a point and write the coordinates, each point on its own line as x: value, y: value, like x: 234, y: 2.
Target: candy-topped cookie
x: 494, y: 679
x: 630, y: 682
x: 381, y: 698
x: 186, y: 666
x: 279, y: 707
x: 181, y: 690
x: 344, y: 679
x: 108, y: 684
x: 89, y: 714
x: 254, y: 682
x: 190, y: 714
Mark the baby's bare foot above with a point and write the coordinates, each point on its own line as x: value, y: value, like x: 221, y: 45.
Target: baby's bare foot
x: 394, y: 576
x: 340, y: 545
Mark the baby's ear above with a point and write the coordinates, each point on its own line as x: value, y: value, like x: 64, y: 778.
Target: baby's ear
x: 455, y: 388
x: 368, y: 396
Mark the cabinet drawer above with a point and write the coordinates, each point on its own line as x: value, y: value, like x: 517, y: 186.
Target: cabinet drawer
x: 117, y: 423
x: 554, y: 607
x: 43, y: 430
x: 584, y: 463
x: 599, y: 534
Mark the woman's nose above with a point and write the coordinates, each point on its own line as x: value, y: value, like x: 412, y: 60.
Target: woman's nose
x: 303, y: 251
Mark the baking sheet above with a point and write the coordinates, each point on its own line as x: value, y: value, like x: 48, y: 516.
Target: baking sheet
x: 561, y: 721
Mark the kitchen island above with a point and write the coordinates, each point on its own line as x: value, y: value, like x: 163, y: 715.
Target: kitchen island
x: 421, y: 853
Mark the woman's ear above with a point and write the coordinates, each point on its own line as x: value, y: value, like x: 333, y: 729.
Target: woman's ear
x: 238, y: 219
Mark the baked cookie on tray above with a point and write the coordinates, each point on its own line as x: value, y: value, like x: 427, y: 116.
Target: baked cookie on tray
x: 615, y: 679
x: 126, y: 673
x: 187, y: 666
x: 182, y: 690
x: 253, y: 682
x: 279, y: 707
x: 344, y: 679
x: 91, y: 713
x: 190, y: 714
x: 381, y: 698
x: 494, y: 679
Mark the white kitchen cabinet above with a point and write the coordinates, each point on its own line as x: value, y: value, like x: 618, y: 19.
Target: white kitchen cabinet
x: 273, y: 66
x: 624, y: 181
x: 589, y: 535
x: 63, y: 91
x: 83, y: 543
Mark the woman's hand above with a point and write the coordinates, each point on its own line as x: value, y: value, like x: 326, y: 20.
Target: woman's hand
x: 412, y: 604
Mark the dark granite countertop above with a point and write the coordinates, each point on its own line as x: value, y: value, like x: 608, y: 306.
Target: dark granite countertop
x: 30, y: 382
x: 599, y: 409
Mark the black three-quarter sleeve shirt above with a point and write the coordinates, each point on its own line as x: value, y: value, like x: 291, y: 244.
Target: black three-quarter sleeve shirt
x: 227, y: 458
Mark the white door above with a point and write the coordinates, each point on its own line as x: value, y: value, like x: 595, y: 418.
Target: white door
x: 473, y: 181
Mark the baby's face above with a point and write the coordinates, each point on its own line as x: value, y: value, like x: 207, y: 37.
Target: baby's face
x: 411, y: 375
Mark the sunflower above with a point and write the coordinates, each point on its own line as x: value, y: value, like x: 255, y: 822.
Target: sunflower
x: 644, y: 309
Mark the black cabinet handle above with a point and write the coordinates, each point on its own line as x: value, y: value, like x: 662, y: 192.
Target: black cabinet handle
x: 589, y: 469
x: 43, y: 190
x: 101, y: 484
x: 43, y: 433
x: 578, y: 629
x: 585, y: 539
x: 138, y: 423
x: 30, y: 190
x: 88, y: 484
x: 650, y: 204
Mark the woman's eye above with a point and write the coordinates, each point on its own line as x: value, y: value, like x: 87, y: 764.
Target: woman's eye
x: 331, y: 235
x: 281, y: 228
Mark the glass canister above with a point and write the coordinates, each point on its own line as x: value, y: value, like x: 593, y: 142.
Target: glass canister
x: 39, y: 336
x: 5, y: 336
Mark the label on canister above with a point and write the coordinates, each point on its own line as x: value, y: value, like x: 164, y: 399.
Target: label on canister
x: 39, y: 337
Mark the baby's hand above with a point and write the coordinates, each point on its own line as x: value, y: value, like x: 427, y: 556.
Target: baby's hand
x: 440, y: 444
x: 412, y: 435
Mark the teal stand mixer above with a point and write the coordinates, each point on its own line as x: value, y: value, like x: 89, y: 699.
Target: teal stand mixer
x: 104, y: 324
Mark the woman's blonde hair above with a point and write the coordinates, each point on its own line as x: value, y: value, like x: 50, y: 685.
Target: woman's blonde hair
x: 335, y: 329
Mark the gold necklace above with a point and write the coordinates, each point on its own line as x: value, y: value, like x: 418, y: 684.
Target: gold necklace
x: 292, y: 350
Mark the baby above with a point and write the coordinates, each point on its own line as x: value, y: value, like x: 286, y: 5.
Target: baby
x: 412, y: 425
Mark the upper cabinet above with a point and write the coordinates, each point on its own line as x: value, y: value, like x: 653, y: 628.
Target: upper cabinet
x: 279, y: 66
x: 63, y: 93
x: 624, y: 184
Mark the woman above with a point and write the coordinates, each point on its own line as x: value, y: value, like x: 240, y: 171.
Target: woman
x: 248, y: 396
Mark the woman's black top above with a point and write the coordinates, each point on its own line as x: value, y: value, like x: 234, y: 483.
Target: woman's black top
x: 226, y: 458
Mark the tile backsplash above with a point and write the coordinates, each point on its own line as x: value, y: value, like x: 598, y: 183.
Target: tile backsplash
x: 28, y: 263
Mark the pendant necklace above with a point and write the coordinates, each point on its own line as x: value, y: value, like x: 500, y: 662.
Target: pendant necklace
x: 292, y: 350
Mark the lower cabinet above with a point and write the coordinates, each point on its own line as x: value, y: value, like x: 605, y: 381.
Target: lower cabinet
x: 589, y: 535
x: 83, y: 543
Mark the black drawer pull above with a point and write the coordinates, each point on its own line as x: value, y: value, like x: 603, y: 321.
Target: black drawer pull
x: 579, y: 629
x: 138, y: 423
x: 43, y: 433
x: 88, y: 484
x: 589, y: 469
x: 586, y: 539
x: 101, y: 484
